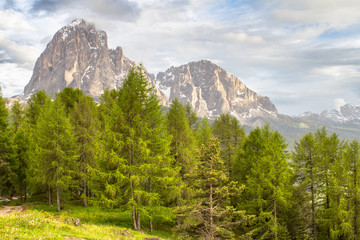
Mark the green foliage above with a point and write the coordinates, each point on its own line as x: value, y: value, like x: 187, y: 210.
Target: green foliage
x: 204, y: 132
x: 182, y: 143
x: 56, y: 148
x: 208, y: 214
x: 137, y: 164
x: 135, y: 167
x: 35, y: 106
x: 264, y: 170
x: 5, y: 148
x: 231, y: 136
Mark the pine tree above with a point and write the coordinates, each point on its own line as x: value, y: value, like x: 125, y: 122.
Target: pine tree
x: 56, y: 150
x: 5, y: 146
x: 305, y: 158
x: 209, y: 214
x: 22, y: 155
x: 83, y: 115
x: 84, y: 118
x: 204, y: 132
x: 267, y: 177
x: 182, y: 143
x: 138, y: 149
x: 35, y: 106
x: 191, y: 117
x: 352, y: 177
x: 22, y: 149
x: 231, y: 136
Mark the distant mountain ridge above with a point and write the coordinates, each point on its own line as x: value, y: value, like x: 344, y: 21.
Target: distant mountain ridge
x: 346, y: 113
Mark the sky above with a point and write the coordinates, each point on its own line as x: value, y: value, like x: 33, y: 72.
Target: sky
x: 303, y: 54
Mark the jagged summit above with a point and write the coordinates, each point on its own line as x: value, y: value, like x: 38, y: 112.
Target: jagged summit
x: 78, y: 56
x: 211, y: 91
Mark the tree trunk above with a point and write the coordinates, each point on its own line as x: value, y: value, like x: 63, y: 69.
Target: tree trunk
x: 211, y: 213
x: 21, y: 189
x: 134, y: 217
x: 25, y: 191
x: 150, y: 220
x: 327, y: 203
x: 85, y: 196
x: 49, y: 195
x: 355, y: 201
x: 312, y: 200
x: 58, y: 198
x: 138, y: 220
x: 275, y: 220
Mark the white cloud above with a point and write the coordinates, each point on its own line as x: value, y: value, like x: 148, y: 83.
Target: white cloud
x: 339, y: 102
x: 13, y: 78
x: 10, y: 19
x: 335, y: 13
x: 19, y: 53
x: 243, y: 38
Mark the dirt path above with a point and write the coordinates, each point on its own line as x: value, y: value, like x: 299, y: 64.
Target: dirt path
x: 12, y: 209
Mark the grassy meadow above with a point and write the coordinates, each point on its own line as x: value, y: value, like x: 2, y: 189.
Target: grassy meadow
x: 42, y: 221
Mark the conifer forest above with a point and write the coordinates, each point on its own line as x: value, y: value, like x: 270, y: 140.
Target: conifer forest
x: 206, y: 179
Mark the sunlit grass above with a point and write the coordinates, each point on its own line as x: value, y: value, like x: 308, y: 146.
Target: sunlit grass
x: 42, y: 221
x: 35, y: 224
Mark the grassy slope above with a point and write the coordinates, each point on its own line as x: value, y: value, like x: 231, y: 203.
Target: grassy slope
x: 44, y: 222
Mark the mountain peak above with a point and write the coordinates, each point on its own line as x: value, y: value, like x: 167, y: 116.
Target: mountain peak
x: 78, y: 57
x: 77, y: 22
x: 211, y: 91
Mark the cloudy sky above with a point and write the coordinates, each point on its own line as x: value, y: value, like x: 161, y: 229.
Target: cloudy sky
x: 303, y: 54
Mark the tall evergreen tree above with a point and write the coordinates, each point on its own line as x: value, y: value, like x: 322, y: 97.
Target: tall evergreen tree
x: 57, y: 150
x: 268, y: 183
x: 35, y: 106
x: 204, y: 132
x: 306, y: 160
x: 231, y: 136
x: 22, y: 149
x: 352, y: 178
x: 22, y: 156
x: 209, y: 214
x: 191, y: 117
x: 85, y: 120
x: 5, y: 146
x: 182, y: 143
x: 138, y: 148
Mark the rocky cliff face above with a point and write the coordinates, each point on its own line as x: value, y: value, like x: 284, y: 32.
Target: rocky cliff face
x: 78, y: 57
x: 211, y: 91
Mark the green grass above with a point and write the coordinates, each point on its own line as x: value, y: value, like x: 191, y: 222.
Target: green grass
x: 42, y: 221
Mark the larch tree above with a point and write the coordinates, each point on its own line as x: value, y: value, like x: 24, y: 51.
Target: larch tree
x: 86, y: 125
x: 22, y: 149
x: 5, y: 146
x: 306, y: 160
x: 56, y: 147
x: 267, y: 177
x: 231, y: 136
x: 204, y: 132
x: 209, y: 213
x: 138, y: 148
x: 352, y: 163
x: 182, y: 142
